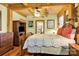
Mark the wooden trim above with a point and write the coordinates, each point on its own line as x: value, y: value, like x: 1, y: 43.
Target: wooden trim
x: 9, y: 20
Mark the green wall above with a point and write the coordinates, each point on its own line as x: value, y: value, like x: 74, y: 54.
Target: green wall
x: 47, y: 31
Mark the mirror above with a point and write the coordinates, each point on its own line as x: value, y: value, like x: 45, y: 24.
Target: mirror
x: 40, y: 26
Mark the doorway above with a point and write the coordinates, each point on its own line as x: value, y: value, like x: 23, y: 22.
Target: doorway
x: 40, y: 26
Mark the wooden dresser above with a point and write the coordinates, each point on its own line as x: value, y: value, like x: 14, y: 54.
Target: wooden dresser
x: 6, y: 42
x: 19, y: 29
x: 74, y: 50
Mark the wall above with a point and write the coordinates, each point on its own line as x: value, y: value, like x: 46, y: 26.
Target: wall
x: 17, y: 16
x: 47, y: 31
x: 3, y: 9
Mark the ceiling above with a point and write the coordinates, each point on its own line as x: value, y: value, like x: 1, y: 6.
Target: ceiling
x: 28, y: 9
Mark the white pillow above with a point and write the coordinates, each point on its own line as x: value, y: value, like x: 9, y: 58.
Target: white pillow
x: 72, y: 35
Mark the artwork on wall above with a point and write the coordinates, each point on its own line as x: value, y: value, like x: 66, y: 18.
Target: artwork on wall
x: 40, y: 26
x: 0, y: 20
x: 30, y: 23
x: 50, y: 24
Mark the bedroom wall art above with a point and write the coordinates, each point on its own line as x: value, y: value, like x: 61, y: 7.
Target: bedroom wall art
x: 30, y: 23
x: 50, y: 24
x: 40, y: 26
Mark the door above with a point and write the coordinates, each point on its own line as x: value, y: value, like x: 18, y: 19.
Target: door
x: 40, y: 26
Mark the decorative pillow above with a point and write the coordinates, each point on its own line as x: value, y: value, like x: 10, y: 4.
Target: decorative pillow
x: 59, y: 32
x: 66, y: 32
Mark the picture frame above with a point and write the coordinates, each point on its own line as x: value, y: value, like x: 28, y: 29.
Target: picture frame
x: 30, y: 23
x: 50, y: 24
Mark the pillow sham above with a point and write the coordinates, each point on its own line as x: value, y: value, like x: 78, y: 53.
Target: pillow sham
x: 59, y: 32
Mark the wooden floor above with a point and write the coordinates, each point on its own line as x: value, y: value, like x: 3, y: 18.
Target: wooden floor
x: 16, y: 52
x: 13, y: 52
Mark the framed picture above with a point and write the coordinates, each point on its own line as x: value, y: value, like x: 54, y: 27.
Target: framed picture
x: 0, y: 20
x: 30, y: 24
x: 50, y: 24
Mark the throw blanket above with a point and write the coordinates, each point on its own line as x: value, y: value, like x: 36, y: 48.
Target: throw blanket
x: 47, y: 40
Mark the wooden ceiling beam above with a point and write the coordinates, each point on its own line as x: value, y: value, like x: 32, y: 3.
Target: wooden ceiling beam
x: 21, y: 13
x: 17, y: 8
x: 40, y: 5
x: 22, y: 6
x: 25, y: 6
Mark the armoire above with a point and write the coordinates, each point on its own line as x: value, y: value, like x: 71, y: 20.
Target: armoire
x: 19, y: 29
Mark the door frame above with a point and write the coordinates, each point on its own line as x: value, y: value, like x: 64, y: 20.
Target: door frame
x: 43, y: 25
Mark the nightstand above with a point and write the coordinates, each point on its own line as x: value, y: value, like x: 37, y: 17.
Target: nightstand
x: 74, y: 50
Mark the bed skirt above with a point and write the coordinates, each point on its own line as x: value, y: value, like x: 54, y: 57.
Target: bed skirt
x: 47, y: 51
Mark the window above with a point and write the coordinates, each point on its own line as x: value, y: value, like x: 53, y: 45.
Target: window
x: 61, y: 21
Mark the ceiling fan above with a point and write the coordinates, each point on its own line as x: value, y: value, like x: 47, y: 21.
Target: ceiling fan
x: 38, y: 12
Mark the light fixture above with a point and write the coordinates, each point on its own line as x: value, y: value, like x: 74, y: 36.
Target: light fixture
x: 37, y: 12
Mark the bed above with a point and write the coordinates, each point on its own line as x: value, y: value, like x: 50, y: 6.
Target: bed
x: 48, y: 44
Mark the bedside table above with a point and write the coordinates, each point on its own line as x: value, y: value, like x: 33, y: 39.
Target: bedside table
x: 74, y: 50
